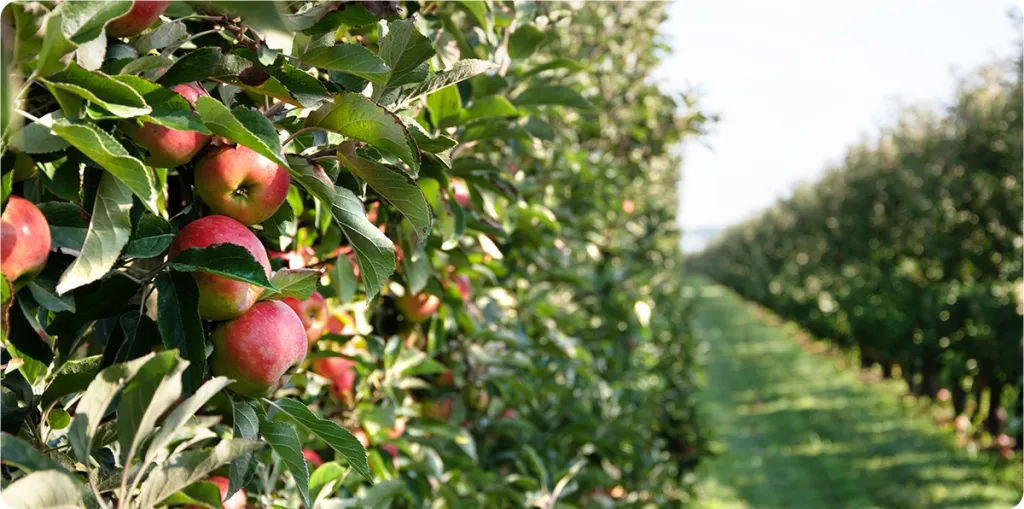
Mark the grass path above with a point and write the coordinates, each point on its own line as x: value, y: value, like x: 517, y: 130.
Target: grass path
x: 798, y: 432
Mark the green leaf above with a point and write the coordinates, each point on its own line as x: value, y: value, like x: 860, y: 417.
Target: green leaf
x: 406, y: 51
x: 112, y: 157
x: 181, y: 414
x: 19, y: 453
x: 488, y: 107
x: 381, y: 494
x: 295, y: 283
x: 445, y: 107
x: 282, y: 227
x: 343, y: 278
x: 557, y: 63
x: 199, y: 494
x: 47, y: 489
x: 153, y: 390
x: 244, y: 126
x: 356, y: 116
x: 285, y: 442
x: 460, y: 71
x: 93, y: 405
x: 195, y: 66
x: 68, y: 224
x: 44, y: 292
x: 397, y: 187
x: 161, y: 37
x: 306, y: 90
x: 415, y: 363
x: 152, y: 237
x: 424, y: 141
x: 246, y: 425
x: 324, y: 477
x: 185, y: 468
x: 415, y: 261
x: 230, y: 260
x: 340, y: 439
x: 375, y: 253
x: 36, y: 138
x: 108, y: 233
x: 84, y: 21
x: 524, y: 41
x: 180, y: 325
x: 313, y: 178
x: 352, y: 59
x: 100, y: 89
x: 146, y: 63
x: 170, y: 109
x: 73, y: 376
x: 552, y: 96
x: 90, y: 54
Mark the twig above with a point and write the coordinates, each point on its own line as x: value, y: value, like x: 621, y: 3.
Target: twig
x: 300, y: 131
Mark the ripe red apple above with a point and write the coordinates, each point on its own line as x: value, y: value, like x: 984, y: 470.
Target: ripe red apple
x: 142, y: 14
x: 446, y: 379
x: 628, y: 206
x: 460, y: 191
x: 419, y: 307
x: 24, y: 241
x: 341, y: 324
x: 257, y: 348
x: 168, y: 147
x: 220, y: 297
x: 342, y: 373
x: 237, y: 501
x: 361, y: 437
x: 312, y: 457
x: 464, y: 287
x: 240, y: 183
x: 436, y: 411
x: 312, y: 312
x: 509, y: 413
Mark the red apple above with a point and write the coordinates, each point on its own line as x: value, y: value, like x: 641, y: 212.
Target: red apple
x: 436, y: 411
x: 419, y: 307
x: 312, y: 312
x: 361, y: 437
x: 509, y: 413
x: 142, y: 14
x: 628, y: 206
x: 168, y: 147
x: 220, y: 297
x: 312, y: 457
x: 460, y: 191
x: 24, y: 241
x: 341, y: 372
x: 341, y: 324
x: 257, y: 348
x: 463, y: 285
x: 446, y: 379
x: 237, y: 501
x: 240, y: 183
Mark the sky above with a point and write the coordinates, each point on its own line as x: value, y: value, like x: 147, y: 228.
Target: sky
x: 796, y: 82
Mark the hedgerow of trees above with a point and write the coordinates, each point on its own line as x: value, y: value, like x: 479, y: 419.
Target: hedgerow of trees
x: 336, y: 254
x: 908, y: 251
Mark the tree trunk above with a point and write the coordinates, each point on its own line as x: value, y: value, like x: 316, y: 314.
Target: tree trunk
x: 959, y: 397
x: 930, y: 367
x: 887, y: 369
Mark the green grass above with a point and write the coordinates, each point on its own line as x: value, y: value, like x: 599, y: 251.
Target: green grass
x: 798, y: 429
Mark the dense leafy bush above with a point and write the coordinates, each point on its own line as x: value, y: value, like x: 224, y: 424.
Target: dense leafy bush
x: 335, y: 253
x: 909, y: 250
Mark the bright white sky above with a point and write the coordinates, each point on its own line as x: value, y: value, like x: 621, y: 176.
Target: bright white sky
x: 796, y: 82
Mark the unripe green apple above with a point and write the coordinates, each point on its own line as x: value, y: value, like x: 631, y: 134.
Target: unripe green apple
x: 168, y: 147
x: 142, y: 14
x: 312, y: 312
x: 257, y: 348
x: 237, y: 501
x: 419, y: 307
x: 220, y: 297
x: 24, y: 241
x: 239, y: 183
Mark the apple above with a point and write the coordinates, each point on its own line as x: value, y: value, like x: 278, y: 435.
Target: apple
x: 628, y: 206
x: 463, y: 286
x: 239, y: 183
x: 509, y: 413
x: 312, y: 312
x: 312, y: 457
x: 477, y: 398
x: 220, y: 297
x: 419, y: 307
x: 341, y: 324
x: 944, y: 395
x: 168, y: 147
x: 962, y: 423
x: 361, y: 437
x: 24, y: 241
x: 436, y: 411
x: 446, y: 379
x: 341, y: 372
x: 460, y: 191
x: 142, y: 14
x: 257, y: 348
x: 237, y: 501
x: 398, y: 430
